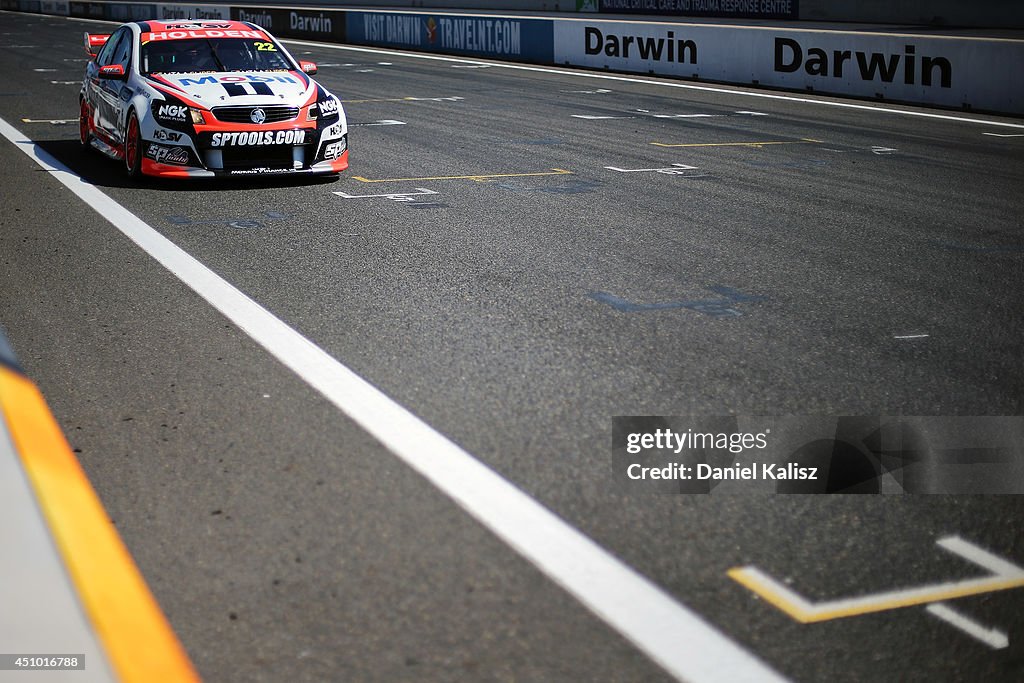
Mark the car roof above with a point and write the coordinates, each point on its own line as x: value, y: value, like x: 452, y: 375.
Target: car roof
x: 183, y: 29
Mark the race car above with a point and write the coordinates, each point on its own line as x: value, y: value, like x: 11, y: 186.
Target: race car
x: 207, y: 98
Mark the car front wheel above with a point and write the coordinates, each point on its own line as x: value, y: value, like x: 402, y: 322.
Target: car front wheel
x: 133, y: 147
x: 84, y: 129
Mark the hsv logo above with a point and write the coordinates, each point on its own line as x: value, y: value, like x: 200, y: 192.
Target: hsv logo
x: 202, y: 32
x: 194, y: 27
x: 257, y: 116
x: 166, y: 135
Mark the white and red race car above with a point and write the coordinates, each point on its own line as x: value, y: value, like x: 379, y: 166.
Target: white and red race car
x: 207, y: 98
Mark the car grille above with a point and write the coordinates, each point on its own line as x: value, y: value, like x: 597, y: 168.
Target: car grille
x: 258, y: 157
x: 275, y: 113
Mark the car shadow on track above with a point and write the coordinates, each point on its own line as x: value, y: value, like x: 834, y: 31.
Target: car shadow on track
x: 98, y: 170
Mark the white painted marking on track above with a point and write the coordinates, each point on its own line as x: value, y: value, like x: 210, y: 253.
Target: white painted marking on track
x: 390, y: 195
x: 752, y: 113
x: 590, y: 117
x: 434, y: 99
x: 672, y: 635
x: 1005, y: 135
x: 56, y: 122
x: 686, y: 116
x: 1004, y: 575
x: 382, y: 122
x: 910, y: 336
x: 471, y: 66
x: 66, y: 82
x: 44, y: 70
x: 675, y: 169
x: 994, y: 638
x: 673, y: 84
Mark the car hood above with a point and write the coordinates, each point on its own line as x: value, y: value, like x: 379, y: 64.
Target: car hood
x: 212, y: 89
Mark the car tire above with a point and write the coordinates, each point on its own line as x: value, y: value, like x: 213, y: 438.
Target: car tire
x: 133, y: 146
x: 84, y: 129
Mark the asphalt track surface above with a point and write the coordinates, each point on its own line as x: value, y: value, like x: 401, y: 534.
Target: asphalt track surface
x: 284, y: 543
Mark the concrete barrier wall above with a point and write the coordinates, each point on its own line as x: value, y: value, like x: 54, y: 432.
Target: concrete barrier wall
x: 998, y: 14
x: 956, y: 72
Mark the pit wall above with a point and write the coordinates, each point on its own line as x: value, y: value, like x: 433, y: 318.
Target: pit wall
x: 945, y: 71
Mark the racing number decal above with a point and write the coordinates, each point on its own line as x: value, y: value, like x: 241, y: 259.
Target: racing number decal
x: 265, y: 47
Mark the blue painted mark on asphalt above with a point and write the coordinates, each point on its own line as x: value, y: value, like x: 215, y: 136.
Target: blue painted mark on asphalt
x: 568, y: 187
x: 805, y: 163
x: 718, y: 308
x: 978, y: 249
x: 237, y: 223
x: 542, y: 141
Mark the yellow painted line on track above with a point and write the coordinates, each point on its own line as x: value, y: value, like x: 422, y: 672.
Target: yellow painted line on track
x: 802, y: 141
x: 1004, y: 577
x: 477, y: 178
x: 129, y: 625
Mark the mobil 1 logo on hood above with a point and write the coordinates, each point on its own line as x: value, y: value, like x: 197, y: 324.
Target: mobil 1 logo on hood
x: 297, y: 23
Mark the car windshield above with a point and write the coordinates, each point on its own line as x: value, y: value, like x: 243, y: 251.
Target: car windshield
x: 212, y: 54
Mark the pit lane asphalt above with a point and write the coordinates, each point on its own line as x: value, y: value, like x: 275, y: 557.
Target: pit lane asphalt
x: 284, y: 543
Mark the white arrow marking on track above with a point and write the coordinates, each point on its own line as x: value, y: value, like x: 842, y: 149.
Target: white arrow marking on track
x: 994, y: 638
x: 673, y: 170
x: 389, y: 195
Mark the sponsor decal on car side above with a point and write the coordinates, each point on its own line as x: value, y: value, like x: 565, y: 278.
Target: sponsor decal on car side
x: 166, y: 135
x: 167, y: 155
x: 252, y: 138
x: 328, y: 107
x: 172, y: 113
x: 335, y: 149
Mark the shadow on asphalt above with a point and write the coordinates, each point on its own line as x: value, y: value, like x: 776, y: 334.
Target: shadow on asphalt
x: 98, y: 170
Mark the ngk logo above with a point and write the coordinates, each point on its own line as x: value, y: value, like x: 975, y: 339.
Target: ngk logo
x: 173, y: 112
x: 328, y: 107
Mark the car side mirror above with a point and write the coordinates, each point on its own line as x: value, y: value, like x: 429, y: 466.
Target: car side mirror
x: 112, y: 71
x: 308, y: 67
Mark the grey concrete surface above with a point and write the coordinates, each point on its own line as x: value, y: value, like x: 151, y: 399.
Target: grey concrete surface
x: 284, y: 543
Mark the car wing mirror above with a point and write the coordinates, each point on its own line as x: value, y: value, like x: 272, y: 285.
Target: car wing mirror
x: 112, y: 71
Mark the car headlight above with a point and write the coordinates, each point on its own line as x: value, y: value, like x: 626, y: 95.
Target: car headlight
x: 197, y: 115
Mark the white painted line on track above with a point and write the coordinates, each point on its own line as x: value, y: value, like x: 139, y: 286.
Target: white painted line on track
x: 1005, y: 135
x: 994, y: 638
x: 568, y: 71
x: 910, y: 336
x: 672, y: 635
x: 382, y: 122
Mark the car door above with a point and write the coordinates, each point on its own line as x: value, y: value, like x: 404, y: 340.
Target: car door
x: 107, y: 91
